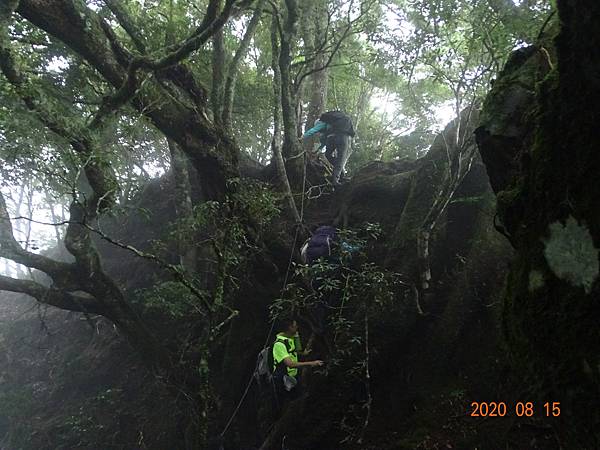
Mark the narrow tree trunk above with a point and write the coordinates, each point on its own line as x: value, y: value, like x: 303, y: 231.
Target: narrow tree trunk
x: 362, y: 103
x: 182, y: 192
x: 284, y: 184
x: 291, y: 144
x: 25, y: 191
x: 232, y: 71
x: 54, y: 218
x: 218, y: 73
x: 315, y: 38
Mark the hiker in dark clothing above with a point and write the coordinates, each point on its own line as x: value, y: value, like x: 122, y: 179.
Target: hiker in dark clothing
x: 327, y: 248
x: 319, y: 245
x: 336, y: 130
x: 324, y: 243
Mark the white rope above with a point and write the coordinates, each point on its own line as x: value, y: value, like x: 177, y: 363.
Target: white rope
x: 285, y: 281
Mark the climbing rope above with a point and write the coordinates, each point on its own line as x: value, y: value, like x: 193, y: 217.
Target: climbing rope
x: 317, y: 190
x: 285, y: 281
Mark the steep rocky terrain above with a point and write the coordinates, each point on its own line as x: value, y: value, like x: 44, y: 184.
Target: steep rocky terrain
x: 462, y: 324
x: 426, y: 366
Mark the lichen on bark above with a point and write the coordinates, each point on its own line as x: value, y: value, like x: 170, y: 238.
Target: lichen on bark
x: 571, y: 255
x: 546, y: 181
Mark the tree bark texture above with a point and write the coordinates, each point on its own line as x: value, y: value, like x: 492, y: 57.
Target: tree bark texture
x: 284, y: 184
x: 315, y: 37
x: 291, y: 145
x: 182, y: 191
x: 218, y: 73
x: 543, y: 161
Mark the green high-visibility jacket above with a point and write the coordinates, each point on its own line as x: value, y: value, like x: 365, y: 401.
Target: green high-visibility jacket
x: 280, y: 352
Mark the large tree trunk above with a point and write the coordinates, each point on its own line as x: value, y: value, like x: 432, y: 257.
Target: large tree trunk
x: 180, y: 113
x: 540, y: 148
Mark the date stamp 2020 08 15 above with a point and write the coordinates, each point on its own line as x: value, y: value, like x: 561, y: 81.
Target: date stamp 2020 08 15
x: 500, y: 409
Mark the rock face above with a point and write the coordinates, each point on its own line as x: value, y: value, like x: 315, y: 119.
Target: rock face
x: 544, y: 163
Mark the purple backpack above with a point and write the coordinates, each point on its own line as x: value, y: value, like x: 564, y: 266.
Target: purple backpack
x: 319, y: 245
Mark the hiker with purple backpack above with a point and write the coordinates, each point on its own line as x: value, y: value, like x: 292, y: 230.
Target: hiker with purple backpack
x: 319, y: 245
x: 325, y: 246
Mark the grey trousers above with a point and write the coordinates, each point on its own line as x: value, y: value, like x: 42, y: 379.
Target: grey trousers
x: 340, y: 144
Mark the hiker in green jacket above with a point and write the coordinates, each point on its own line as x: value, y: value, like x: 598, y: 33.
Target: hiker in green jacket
x: 285, y: 358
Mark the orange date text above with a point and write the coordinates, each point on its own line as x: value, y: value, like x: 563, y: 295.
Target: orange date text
x: 520, y: 409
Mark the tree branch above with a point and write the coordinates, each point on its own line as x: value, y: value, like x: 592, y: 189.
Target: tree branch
x: 211, y: 151
x: 71, y: 301
x: 336, y: 47
x: 202, y: 34
x: 126, y: 22
x: 10, y: 248
x: 99, y: 175
x: 233, y: 66
x: 175, y: 270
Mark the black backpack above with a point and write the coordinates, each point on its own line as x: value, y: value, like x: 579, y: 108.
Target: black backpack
x: 338, y: 122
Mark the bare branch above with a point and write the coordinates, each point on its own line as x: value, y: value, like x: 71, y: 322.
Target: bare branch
x: 214, y: 332
x: 175, y: 270
x: 71, y: 301
x: 347, y: 32
x: 10, y: 248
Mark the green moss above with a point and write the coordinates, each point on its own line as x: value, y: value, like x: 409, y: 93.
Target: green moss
x: 545, y: 116
x: 549, y: 314
x: 536, y: 280
x: 508, y: 196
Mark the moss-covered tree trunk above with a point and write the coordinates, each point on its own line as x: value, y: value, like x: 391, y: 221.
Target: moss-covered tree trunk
x: 549, y: 209
x: 291, y: 145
